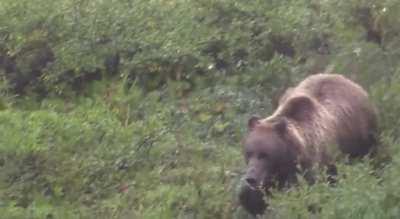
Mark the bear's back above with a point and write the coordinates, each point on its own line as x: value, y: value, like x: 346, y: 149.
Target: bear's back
x: 349, y: 104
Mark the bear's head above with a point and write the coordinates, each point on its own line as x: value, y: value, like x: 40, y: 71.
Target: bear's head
x: 271, y: 153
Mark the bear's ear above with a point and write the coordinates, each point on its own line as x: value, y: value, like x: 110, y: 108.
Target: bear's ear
x: 281, y: 126
x: 298, y: 108
x: 253, y: 122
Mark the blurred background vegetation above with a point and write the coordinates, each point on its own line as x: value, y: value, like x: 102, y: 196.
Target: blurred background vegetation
x: 136, y: 108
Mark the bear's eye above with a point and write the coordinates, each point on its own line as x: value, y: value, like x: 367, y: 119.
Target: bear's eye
x: 262, y: 156
x: 249, y: 154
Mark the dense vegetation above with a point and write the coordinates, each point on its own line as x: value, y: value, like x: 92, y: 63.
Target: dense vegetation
x: 136, y: 108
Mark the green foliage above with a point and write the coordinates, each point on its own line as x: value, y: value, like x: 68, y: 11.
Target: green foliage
x: 136, y: 109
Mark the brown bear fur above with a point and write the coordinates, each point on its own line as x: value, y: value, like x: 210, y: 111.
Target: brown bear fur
x: 322, y: 112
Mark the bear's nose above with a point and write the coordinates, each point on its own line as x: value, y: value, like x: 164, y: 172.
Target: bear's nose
x: 251, y: 182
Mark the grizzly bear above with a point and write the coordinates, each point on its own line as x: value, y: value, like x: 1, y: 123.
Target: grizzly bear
x: 324, y: 114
